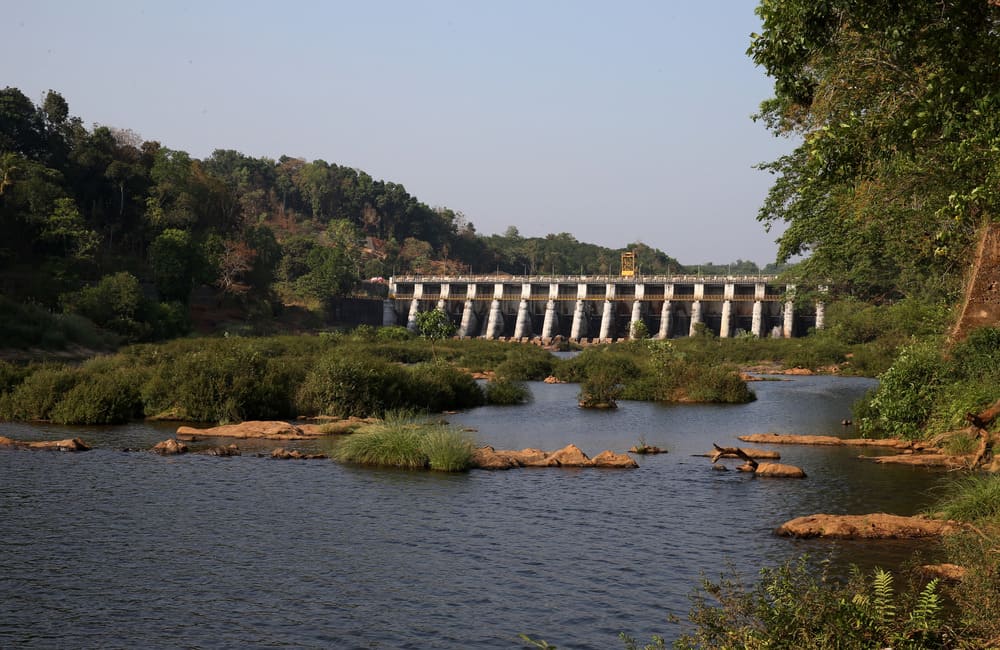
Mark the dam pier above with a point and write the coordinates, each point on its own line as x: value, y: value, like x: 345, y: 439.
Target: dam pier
x: 603, y: 308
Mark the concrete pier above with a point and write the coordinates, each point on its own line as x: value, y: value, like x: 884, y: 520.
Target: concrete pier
x: 583, y: 308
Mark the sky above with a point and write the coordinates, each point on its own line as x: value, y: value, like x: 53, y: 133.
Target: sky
x: 616, y: 122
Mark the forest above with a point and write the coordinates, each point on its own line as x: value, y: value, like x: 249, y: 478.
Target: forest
x: 98, y: 224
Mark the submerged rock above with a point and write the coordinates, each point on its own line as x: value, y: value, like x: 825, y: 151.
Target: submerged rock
x: 266, y: 429
x: 69, y: 444
x: 228, y: 450
x: 170, y: 447
x: 294, y: 454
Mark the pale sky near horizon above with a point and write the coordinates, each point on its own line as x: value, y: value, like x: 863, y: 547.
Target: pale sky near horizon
x: 615, y: 122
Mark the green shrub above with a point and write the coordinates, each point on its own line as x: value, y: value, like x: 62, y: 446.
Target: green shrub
x: 11, y: 376
x: 39, y: 393
x: 438, y: 386
x: 601, y: 389
x: 394, y: 333
x: 903, y: 401
x: 505, y: 392
x: 525, y: 363
x: 346, y: 386
x: 101, y: 398
x: 795, y: 606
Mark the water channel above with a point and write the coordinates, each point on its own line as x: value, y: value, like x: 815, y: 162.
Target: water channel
x: 115, y: 549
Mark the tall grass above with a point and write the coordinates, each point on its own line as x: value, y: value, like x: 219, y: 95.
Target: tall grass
x: 974, y: 498
x: 402, y: 441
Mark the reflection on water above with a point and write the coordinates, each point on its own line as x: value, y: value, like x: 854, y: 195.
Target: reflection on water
x: 115, y: 549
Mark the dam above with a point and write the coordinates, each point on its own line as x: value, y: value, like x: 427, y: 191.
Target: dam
x: 604, y: 308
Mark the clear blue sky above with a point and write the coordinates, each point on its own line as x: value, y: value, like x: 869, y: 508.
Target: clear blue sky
x: 616, y: 122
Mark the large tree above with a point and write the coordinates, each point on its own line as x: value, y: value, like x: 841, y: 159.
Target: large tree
x: 898, y: 109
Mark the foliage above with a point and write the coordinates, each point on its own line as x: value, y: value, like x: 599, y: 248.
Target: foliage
x: 501, y: 391
x: 434, y: 325
x: 526, y: 363
x: 639, y: 330
x: 896, y: 108
x: 973, y: 498
x: 37, y: 396
x: 105, y: 396
x: 352, y: 385
x: 903, y: 402
x: 402, y: 441
x: 439, y: 386
x: 794, y: 607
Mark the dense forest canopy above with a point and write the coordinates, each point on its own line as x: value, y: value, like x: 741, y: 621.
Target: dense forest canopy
x: 102, y: 223
x: 898, y: 108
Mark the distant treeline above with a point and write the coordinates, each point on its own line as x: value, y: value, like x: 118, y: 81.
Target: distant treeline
x: 103, y: 224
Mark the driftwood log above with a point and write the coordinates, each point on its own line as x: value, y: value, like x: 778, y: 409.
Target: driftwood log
x: 751, y: 465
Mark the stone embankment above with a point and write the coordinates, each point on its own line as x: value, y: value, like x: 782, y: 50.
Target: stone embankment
x: 569, y: 456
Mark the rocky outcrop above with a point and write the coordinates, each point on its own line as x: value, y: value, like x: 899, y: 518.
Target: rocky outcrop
x: 70, y: 444
x: 569, y: 456
x: 923, y: 460
x: 170, y: 447
x: 265, y: 429
x: 796, y: 439
x: 872, y: 526
x: 779, y: 470
x: 294, y: 454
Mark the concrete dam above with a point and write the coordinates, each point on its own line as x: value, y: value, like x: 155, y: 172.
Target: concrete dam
x: 603, y: 308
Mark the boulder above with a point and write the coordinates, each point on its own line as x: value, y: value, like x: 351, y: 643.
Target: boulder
x: 294, y: 454
x: 266, y: 429
x: 608, y: 458
x: 872, y: 526
x: 170, y: 447
x: 779, y: 470
x: 528, y: 456
x: 228, y: 450
x: 489, y: 458
x: 946, y: 571
x: 69, y: 444
x: 552, y: 379
x: 570, y: 456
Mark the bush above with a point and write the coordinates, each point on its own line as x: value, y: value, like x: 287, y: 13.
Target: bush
x: 447, y: 449
x: 794, y: 606
x: 525, y: 363
x: 903, y: 401
x: 101, y: 398
x: 394, y: 333
x: 505, y: 392
x: 11, y: 376
x: 438, y: 386
x: 352, y: 386
x: 39, y: 393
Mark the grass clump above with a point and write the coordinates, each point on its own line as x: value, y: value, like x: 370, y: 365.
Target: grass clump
x: 402, y: 441
x: 974, y: 498
x: 501, y: 391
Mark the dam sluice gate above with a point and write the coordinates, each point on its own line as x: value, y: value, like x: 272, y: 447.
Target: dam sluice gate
x: 602, y: 308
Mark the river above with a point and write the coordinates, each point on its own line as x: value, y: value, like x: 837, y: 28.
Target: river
x: 115, y: 549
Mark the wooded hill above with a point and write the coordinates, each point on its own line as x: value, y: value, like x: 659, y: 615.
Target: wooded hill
x: 103, y: 224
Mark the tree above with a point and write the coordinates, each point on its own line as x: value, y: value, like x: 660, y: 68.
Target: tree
x: 174, y: 261
x: 898, y: 109
x: 434, y: 325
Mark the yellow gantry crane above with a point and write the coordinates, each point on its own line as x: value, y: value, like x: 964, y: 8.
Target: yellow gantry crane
x: 628, y: 264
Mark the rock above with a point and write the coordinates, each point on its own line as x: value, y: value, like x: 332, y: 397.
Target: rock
x: 266, y: 429
x: 69, y: 444
x: 570, y: 456
x: 944, y: 571
x: 796, y: 439
x: 170, y: 447
x: 873, y: 526
x: 488, y: 458
x: 229, y: 450
x: 552, y: 379
x: 608, y: 458
x: 922, y: 460
x: 294, y: 454
x: 720, y: 468
x: 778, y: 470
x: 528, y: 456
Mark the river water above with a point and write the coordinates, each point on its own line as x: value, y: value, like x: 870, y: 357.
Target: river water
x: 115, y: 549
